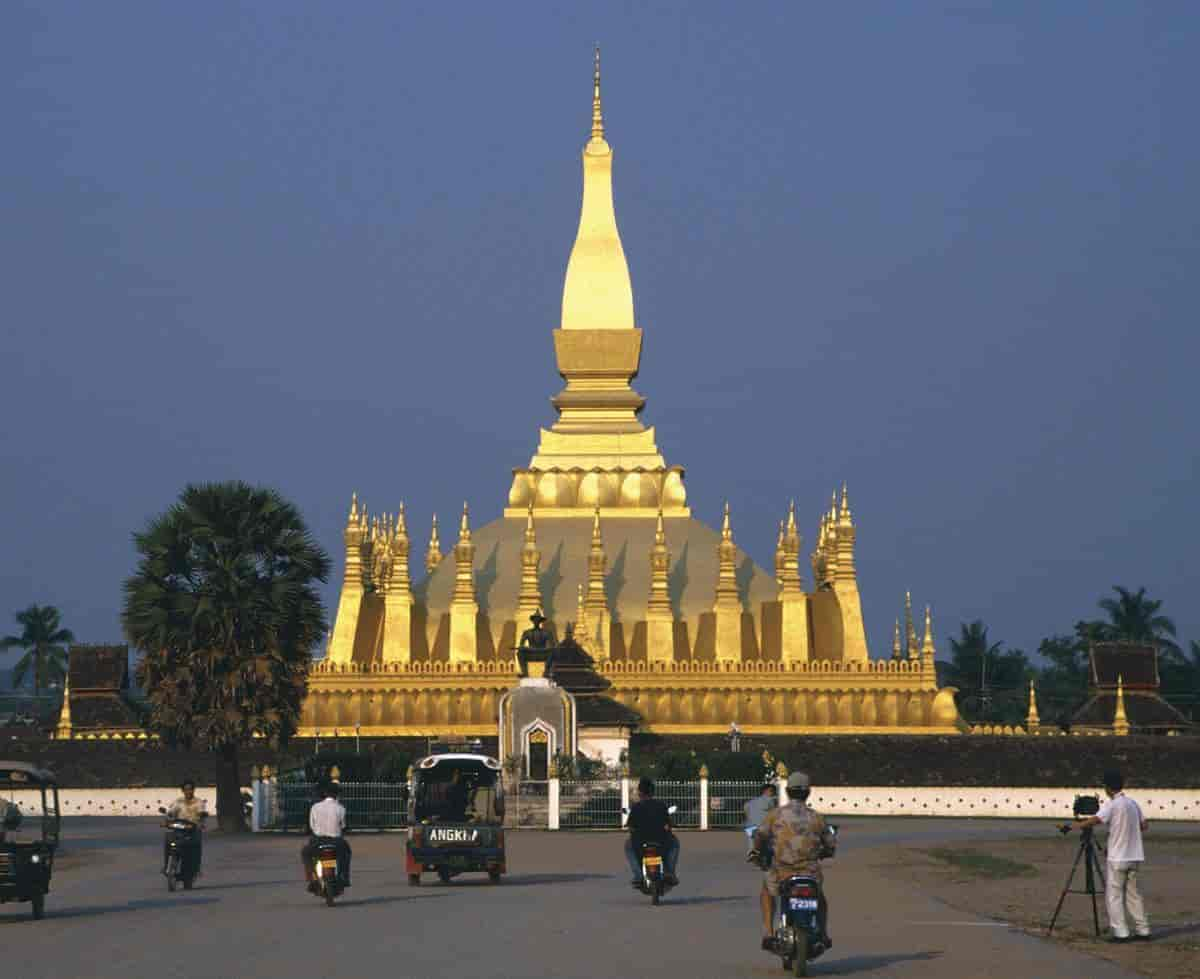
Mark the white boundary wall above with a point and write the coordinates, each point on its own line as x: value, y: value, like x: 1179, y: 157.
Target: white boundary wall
x: 1002, y: 803
x: 113, y: 802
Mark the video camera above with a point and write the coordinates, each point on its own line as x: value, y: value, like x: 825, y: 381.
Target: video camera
x: 1085, y: 805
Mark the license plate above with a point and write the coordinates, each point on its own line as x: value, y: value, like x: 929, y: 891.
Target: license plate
x: 329, y: 866
x: 654, y: 862
x: 802, y: 903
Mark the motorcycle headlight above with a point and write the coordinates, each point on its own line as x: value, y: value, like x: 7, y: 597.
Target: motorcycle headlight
x: 36, y: 858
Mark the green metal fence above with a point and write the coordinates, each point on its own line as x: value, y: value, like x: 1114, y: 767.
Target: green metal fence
x: 369, y: 805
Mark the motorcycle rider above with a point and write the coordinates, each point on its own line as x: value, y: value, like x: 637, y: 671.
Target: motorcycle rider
x: 327, y: 821
x: 194, y: 810
x: 797, y: 836
x: 757, y: 808
x: 649, y: 822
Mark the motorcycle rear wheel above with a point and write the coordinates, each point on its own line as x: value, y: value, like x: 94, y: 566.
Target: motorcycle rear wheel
x: 800, y: 964
x: 172, y: 871
x: 328, y: 896
x: 39, y: 906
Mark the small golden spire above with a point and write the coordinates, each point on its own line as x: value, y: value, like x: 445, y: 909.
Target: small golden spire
x: 726, y: 532
x: 1120, y: 724
x: 401, y: 526
x: 464, y: 525
x: 353, y: 508
x: 597, y: 540
x: 927, y: 650
x: 1032, y: 720
x: 833, y: 507
x: 660, y: 534
x: 896, y: 641
x: 433, y: 554
x: 529, y: 532
x: 844, y: 511
x: 597, y: 113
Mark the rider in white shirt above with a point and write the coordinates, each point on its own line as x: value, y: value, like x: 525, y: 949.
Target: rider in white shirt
x: 1125, y: 823
x: 327, y: 820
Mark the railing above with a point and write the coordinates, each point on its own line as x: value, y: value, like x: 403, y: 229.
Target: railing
x: 284, y: 805
x: 727, y: 800
x: 589, y: 804
x: 685, y: 797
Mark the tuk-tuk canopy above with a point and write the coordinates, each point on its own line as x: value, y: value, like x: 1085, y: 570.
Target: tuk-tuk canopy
x: 20, y: 773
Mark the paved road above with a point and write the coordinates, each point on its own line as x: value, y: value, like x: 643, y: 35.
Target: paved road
x: 565, y: 910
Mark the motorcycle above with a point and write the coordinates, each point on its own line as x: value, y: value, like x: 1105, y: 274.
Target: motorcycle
x: 654, y: 880
x: 327, y: 881
x: 798, y: 934
x: 182, y: 865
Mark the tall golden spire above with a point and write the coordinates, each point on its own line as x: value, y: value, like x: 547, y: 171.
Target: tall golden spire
x: 896, y: 651
x: 463, y: 607
x: 529, y: 597
x: 595, y: 598
x: 780, y: 554
x: 63, y: 730
x: 727, y: 602
x: 660, y: 625
x: 910, y: 633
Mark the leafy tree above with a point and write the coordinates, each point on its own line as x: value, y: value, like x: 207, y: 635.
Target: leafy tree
x: 991, y: 681
x: 1062, y: 685
x: 1134, y: 617
x: 1180, y: 674
x: 224, y: 607
x: 42, y: 636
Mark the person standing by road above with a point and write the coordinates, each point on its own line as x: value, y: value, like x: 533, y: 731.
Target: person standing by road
x: 1125, y: 823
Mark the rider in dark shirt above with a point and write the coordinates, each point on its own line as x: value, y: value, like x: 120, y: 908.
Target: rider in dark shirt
x: 649, y: 822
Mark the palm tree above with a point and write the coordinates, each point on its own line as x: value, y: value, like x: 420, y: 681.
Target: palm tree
x: 1134, y: 617
x: 42, y: 637
x: 971, y: 659
x: 225, y: 609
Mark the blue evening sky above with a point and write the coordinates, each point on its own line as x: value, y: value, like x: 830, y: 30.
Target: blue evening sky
x: 945, y: 253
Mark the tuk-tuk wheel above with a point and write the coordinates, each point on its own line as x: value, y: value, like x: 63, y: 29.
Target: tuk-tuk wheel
x: 414, y: 880
x: 494, y: 876
x: 39, y: 906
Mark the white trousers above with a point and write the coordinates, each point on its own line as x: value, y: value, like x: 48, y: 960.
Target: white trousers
x: 1121, y: 895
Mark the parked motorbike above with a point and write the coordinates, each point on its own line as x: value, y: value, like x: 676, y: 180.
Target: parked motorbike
x: 182, y: 865
x: 798, y: 934
x: 328, y: 883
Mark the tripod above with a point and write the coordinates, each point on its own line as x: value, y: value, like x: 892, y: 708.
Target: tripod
x: 1091, y: 870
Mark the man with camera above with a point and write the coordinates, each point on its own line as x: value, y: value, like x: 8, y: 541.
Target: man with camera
x: 1125, y: 823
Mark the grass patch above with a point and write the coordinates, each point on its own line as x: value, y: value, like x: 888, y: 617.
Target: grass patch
x: 983, y: 865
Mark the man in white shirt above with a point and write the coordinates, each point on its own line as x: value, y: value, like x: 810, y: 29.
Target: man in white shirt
x: 1125, y: 823
x: 327, y: 820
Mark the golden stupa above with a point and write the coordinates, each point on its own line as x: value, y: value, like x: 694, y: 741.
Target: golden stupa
x: 692, y: 633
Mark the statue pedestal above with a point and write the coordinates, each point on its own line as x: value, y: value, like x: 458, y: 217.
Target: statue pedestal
x: 538, y: 720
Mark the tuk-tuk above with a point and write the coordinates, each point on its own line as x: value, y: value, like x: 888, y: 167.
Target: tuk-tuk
x: 455, y: 817
x: 27, y: 793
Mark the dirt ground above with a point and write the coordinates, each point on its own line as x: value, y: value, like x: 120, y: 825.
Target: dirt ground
x: 1020, y: 880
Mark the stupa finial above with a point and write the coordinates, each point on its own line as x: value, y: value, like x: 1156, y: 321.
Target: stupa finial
x: 597, y: 112
x: 726, y: 531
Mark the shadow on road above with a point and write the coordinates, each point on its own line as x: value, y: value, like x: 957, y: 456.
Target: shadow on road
x: 669, y: 901
x: 867, y: 963
x: 532, y: 880
x: 1173, y: 930
x: 237, y: 885
x: 387, y: 899
x: 146, y: 905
